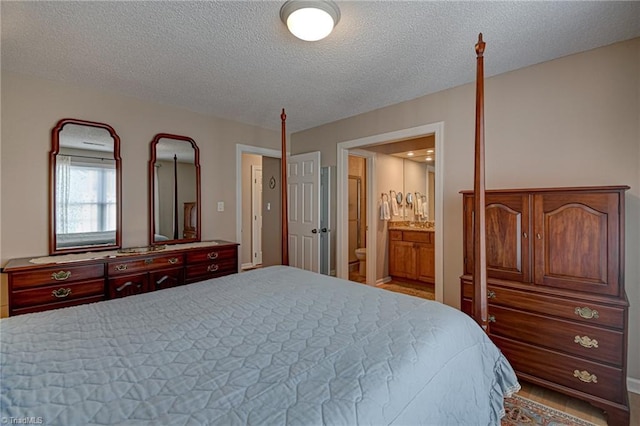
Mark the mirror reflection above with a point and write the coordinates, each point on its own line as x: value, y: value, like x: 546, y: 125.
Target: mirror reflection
x: 175, y: 185
x: 85, y: 187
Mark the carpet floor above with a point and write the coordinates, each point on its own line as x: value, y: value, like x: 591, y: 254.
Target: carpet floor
x: 522, y: 411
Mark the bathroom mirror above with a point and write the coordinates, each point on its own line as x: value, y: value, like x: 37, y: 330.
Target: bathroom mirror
x: 84, y: 187
x: 399, y: 197
x: 174, y: 190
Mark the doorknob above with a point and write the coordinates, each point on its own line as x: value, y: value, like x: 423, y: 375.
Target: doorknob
x: 314, y: 231
x: 323, y: 230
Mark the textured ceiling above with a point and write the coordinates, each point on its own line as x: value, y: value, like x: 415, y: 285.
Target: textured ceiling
x: 236, y: 60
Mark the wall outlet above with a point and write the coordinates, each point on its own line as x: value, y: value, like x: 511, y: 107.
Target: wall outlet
x: 220, y: 206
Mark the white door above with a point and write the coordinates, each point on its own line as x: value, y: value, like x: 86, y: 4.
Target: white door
x: 256, y: 214
x: 304, y: 210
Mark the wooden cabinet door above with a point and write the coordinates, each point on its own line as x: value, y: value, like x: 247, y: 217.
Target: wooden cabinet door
x: 128, y: 285
x: 576, y: 241
x: 507, y: 234
x: 426, y: 263
x: 402, y: 259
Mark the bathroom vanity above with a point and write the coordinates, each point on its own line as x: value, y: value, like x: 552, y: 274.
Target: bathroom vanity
x: 412, y: 253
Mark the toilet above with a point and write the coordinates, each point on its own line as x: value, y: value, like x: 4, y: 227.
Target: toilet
x: 361, y: 254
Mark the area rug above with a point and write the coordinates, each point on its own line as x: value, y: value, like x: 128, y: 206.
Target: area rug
x: 524, y: 412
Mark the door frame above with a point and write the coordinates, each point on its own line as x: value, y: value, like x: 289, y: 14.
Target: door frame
x: 342, y: 242
x: 256, y: 206
x: 247, y: 149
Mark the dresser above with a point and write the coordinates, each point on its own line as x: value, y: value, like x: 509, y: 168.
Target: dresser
x: 557, y: 304
x: 55, y: 282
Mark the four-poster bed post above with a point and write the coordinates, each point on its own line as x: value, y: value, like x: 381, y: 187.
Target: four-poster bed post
x: 480, y: 308
x: 283, y: 195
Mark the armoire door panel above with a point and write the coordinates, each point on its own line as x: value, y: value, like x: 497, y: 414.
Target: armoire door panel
x: 507, y: 236
x: 575, y: 242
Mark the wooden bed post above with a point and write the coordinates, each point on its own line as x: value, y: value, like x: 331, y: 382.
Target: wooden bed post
x: 283, y: 194
x: 479, y: 240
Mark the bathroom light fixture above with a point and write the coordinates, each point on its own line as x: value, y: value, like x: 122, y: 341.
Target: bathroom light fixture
x: 429, y: 151
x: 310, y: 20
x: 410, y: 154
x: 428, y: 159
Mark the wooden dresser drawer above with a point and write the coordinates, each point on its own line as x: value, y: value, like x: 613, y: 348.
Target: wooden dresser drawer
x: 57, y: 293
x: 212, y: 269
x: 212, y: 254
x: 596, y: 343
x: 574, y: 310
x: 166, y: 278
x: 128, y: 285
x: 395, y: 235
x: 580, y: 374
x: 59, y: 274
x: 146, y: 263
x: 417, y: 236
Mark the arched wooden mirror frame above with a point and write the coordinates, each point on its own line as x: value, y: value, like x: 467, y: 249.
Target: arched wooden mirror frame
x: 55, y: 149
x: 152, y: 225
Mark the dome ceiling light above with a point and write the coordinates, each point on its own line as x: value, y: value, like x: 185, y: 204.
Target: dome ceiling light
x: 310, y: 20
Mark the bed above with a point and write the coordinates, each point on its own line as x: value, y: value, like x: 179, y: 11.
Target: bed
x: 276, y: 345
x: 273, y: 346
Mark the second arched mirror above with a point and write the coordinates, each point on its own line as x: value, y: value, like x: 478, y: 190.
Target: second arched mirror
x: 174, y: 190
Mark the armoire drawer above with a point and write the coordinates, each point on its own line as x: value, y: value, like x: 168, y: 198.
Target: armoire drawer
x: 576, y: 373
x: 571, y: 309
x: 55, y: 275
x: 57, y: 293
x: 596, y: 343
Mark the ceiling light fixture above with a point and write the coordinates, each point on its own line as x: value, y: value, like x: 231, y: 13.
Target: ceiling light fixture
x: 310, y: 20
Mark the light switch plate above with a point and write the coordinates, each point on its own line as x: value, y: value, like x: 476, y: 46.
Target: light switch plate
x: 220, y: 206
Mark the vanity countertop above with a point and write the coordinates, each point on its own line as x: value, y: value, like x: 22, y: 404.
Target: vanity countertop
x: 407, y: 227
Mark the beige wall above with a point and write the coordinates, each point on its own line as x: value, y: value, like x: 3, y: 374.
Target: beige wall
x: 246, y: 249
x: 271, y: 213
x: 31, y: 107
x: 568, y: 122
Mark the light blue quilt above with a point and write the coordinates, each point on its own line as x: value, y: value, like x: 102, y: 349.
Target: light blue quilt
x: 268, y: 347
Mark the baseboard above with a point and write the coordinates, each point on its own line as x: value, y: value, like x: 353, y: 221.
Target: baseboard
x: 383, y: 281
x: 332, y: 272
x: 633, y: 385
x: 246, y: 265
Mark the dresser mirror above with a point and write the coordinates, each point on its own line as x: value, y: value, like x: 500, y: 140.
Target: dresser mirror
x: 174, y: 190
x: 85, y: 208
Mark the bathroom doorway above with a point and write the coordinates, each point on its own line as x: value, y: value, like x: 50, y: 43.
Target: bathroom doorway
x: 345, y: 149
x: 357, y: 218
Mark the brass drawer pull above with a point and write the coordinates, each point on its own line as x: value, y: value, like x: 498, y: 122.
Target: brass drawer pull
x: 173, y: 260
x: 587, y: 313
x: 586, y: 341
x: 491, y: 294
x: 585, y: 376
x: 212, y: 268
x: 61, y: 276
x: 61, y: 293
x: 212, y: 255
x: 148, y: 261
x: 492, y: 318
x: 122, y: 267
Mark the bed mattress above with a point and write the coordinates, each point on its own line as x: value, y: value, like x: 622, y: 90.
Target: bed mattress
x: 272, y: 346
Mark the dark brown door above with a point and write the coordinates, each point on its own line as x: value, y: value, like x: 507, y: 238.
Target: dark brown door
x: 575, y: 241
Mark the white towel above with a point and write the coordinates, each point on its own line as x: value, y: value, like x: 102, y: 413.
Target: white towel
x: 419, y: 207
x: 394, y: 207
x: 384, y: 211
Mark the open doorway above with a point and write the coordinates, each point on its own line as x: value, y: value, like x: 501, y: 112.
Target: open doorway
x: 258, y: 204
x: 374, y: 269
